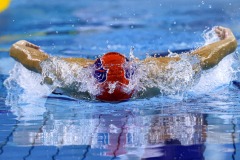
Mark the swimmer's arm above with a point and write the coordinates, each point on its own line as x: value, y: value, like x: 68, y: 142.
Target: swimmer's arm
x: 30, y: 56
x: 80, y: 61
x: 212, y: 54
x: 160, y: 61
x: 155, y: 65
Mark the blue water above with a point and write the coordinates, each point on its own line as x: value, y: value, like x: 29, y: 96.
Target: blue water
x: 204, y: 123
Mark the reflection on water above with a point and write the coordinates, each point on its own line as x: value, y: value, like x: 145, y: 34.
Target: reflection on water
x: 114, y: 133
x: 194, y: 127
x: 119, y: 132
x: 62, y: 127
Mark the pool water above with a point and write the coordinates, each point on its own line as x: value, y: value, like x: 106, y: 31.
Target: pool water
x: 201, y: 123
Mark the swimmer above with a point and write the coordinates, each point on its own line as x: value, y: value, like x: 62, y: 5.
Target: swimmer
x: 115, y: 69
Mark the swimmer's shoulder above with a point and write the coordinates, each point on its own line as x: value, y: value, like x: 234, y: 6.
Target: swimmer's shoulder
x: 162, y: 61
x: 80, y: 61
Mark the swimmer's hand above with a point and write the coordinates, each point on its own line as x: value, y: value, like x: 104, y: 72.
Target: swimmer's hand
x: 28, y: 54
x: 223, y: 33
x: 28, y: 44
x: 210, y: 55
x: 31, y: 55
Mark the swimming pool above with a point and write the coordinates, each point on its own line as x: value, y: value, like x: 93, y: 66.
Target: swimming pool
x: 202, y: 123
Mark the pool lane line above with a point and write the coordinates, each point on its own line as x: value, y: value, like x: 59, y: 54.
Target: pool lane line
x: 233, y: 139
x: 45, y: 119
x: 90, y: 141
x: 56, y: 154
x: 119, y: 138
x: 15, y: 37
x: 9, y: 136
x: 58, y: 148
x: 86, y: 152
x: 4, y: 50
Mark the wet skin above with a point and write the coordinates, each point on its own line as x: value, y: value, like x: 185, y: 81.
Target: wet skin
x: 31, y: 55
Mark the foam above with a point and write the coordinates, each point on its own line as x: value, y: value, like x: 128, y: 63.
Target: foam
x: 176, y: 78
x: 25, y: 89
x: 216, y: 77
x: 220, y: 75
x: 69, y: 76
x: 210, y: 36
x: 27, y: 82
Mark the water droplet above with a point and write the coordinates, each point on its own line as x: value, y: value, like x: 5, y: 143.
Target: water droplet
x: 56, y: 32
x: 210, y: 6
x: 131, y: 53
x: 203, y: 2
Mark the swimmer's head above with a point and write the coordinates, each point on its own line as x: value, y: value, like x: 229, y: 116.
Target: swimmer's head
x: 113, y: 74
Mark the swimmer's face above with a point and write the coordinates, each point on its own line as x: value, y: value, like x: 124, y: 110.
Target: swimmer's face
x: 112, y: 77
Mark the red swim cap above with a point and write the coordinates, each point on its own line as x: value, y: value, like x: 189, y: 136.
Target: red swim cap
x: 113, y: 77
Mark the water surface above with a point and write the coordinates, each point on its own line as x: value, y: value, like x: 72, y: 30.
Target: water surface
x: 202, y: 123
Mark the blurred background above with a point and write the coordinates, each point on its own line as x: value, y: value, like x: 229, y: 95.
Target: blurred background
x: 90, y: 28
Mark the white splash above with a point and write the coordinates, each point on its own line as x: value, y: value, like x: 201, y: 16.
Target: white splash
x: 112, y: 87
x: 70, y: 77
x: 220, y: 75
x: 175, y: 78
x: 131, y: 54
x: 26, y: 82
x: 25, y: 89
x: 210, y: 36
